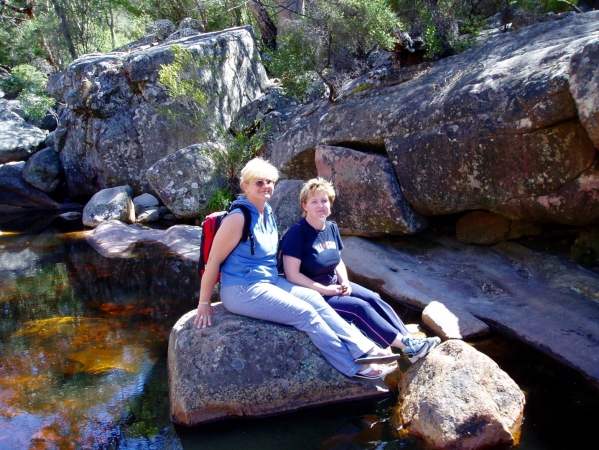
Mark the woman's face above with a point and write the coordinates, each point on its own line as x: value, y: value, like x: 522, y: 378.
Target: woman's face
x: 317, y: 206
x: 259, y: 189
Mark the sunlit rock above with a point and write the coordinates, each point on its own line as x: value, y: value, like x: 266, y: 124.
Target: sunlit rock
x: 244, y: 367
x: 186, y: 179
x: 144, y: 201
x: 495, y: 124
x: 454, y: 323
x: 115, y: 239
x: 459, y: 398
x: 524, y: 292
x: 110, y: 204
x: 18, y: 139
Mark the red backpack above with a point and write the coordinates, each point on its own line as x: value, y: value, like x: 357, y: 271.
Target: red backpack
x: 210, y: 226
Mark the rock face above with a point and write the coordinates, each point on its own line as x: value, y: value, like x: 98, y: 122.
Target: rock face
x: 186, y: 179
x: 113, y: 131
x: 508, y: 126
x: 110, y: 204
x: 285, y: 204
x: 369, y: 201
x: 485, y: 228
x: 18, y: 139
x: 244, y: 368
x: 459, y: 398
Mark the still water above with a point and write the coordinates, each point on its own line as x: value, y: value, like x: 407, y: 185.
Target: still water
x: 83, y: 343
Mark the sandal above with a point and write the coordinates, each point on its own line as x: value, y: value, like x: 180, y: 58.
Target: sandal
x: 377, y: 358
x: 384, y: 371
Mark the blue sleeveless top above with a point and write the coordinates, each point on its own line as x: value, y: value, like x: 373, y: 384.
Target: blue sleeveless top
x: 241, y: 267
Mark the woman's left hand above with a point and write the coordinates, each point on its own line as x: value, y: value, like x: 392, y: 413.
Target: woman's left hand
x: 345, y: 288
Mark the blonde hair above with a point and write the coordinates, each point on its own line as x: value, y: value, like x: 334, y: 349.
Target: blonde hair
x: 258, y: 168
x: 315, y: 185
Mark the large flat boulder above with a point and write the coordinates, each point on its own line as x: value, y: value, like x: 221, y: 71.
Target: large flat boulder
x: 114, y: 130
x: 115, y: 239
x: 550, y: 303
x: 248, y: 368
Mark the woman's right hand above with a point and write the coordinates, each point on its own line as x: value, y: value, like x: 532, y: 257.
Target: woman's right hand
x: 204, y: 315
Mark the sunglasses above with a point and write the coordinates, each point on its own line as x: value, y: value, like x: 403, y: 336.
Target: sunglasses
x: 262, y: 183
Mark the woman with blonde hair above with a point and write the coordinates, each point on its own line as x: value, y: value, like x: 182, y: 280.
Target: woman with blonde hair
x: 251, y: 285
x: 312, y: 258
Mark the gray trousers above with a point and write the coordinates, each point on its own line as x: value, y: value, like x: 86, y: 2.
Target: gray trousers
x: 304, y: 309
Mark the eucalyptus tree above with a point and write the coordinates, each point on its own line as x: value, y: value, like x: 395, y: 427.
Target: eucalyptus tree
x: 330, y: 42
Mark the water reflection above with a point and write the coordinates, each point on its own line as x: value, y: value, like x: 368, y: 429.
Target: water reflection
x: 79, y: 336
x: 82, y: 362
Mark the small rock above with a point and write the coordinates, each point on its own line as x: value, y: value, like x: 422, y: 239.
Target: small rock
x: 110, y: 204
x: 452, y: 324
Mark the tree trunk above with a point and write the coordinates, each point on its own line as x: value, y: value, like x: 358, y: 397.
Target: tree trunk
x: 288, y: 10
x: 66, y: 30
x: 111, y: 25
x: 268, y: 29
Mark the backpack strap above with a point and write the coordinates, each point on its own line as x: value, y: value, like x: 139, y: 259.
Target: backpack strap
x: 247, y: 224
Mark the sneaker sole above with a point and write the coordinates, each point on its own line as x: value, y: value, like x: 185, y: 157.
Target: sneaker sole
x: 375, y: 359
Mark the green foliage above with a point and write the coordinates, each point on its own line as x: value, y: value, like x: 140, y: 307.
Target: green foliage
x: 434, y: 42
x: 213, y: 14
x: 220, y: 200
x: 328, y: 43
x: 23, y: 77
x: 544, y: 6
x: 36, y: 106
x: 293, y: 64
x: 187, y: 79
x: 239, y: 149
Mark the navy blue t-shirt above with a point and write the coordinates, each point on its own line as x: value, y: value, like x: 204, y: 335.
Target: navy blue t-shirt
x: 318, y: 250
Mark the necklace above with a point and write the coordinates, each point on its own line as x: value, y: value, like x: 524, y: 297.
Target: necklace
x: 324, y: 239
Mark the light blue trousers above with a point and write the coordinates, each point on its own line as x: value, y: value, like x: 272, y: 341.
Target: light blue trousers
x: 304, y: 309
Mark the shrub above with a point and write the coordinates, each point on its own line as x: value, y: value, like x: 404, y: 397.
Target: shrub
x: 23, y: 77
x: 331, y: 42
